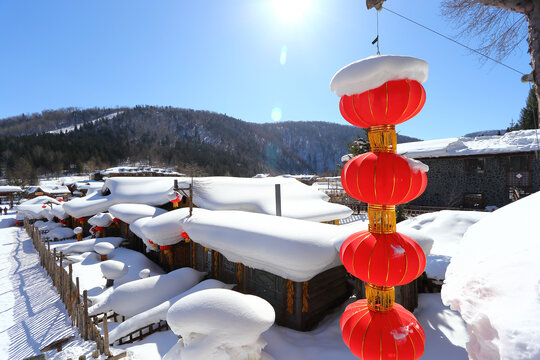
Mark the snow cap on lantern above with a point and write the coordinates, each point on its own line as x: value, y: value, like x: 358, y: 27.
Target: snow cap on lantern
x: 392, y: 334
x: 383, y: 259
x: 381, y: 90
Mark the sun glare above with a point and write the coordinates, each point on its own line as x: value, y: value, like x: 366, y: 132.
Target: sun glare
x: 291, y: 10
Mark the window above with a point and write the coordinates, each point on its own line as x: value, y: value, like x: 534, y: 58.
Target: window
x: 474, y: 166
x: 518, y: 163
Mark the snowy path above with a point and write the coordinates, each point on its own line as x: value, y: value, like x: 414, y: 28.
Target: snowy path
x: 31, y: 313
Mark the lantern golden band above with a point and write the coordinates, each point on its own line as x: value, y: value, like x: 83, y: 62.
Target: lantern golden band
x: 382, y: 219
x: 380, y: 298
x: 383, y: 138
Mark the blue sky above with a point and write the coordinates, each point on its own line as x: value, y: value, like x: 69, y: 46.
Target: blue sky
x: 229, y: 57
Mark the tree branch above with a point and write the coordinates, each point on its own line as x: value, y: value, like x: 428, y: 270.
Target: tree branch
x: 520, y: 6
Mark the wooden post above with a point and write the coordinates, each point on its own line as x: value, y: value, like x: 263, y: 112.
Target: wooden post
x: 278, y: 199
x: 69, y: 289
x: 106, y: 335
x: 54, y: 272
x: 85, y: 314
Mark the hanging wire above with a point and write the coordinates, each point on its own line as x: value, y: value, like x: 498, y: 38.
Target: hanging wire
x: 378, y: 39
x: 454, y: 41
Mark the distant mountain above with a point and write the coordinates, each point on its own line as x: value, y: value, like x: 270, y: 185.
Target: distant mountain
x: 195, y: 142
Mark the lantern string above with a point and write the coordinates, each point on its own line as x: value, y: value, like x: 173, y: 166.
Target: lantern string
x: 376, y: 41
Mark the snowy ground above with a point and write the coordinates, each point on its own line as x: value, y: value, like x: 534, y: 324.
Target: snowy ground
x: 32, y: 316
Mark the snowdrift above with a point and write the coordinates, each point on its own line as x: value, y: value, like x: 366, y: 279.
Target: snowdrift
x: 493, y: 281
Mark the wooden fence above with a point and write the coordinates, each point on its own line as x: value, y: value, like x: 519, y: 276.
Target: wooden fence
x: 69, y: 291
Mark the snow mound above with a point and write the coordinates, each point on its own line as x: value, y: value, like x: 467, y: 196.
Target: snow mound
x: 113, y: 269
x: 59, y: 233
x: 140, y: 295
x: 104, y: 248
x: 445, y: 229
x: 128, y: 213
x: 158, y: 313
x: 219, y: 324
x: 494, y: 282
x: 101, y: 219
x: 144, y: 273
x: 372, y: 72
x: 88, y: 245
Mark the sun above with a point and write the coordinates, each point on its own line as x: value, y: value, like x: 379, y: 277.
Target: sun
x: 291, y: 10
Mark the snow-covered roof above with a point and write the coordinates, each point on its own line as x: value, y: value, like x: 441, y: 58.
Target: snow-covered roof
x: 136, y: 190
x: 136, y: 170
x: 291, y: 248
x: 54, y: 189
x: 511, y: 142
x: 128, y: 213
x: 9, y: 189
x: 215, y: 193
x: 298, y: 200
x: 372, y: 72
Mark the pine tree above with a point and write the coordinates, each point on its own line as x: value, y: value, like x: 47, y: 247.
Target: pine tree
x: 528, y: 118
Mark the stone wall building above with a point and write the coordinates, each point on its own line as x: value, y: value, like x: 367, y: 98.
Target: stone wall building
x: 478, y: 172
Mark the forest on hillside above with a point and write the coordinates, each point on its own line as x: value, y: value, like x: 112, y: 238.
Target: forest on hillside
x: 193, y: 142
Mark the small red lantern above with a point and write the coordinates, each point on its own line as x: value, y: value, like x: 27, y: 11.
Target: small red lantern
x: 165, y: 247
x: 99, y: 228
x: 176, y: 200
x: 60, y: 200
x: 382, y: 178
x: 391, y: 334
x: 184, y: 235
x: 150, y: 242
x: 44, y: 206
x: 383, y: 259
x: 115, y: 220
x: 392, y: 103
x: 17, y: 223
x: 81, y: 219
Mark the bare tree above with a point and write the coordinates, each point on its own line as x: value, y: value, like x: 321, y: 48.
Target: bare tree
x: 501, y: 25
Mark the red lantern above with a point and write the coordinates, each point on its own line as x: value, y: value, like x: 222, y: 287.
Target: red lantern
x: 99, y: 228
x: 44, y: 206
x: 392, y: 334
x: 150, y: 242
x: 383, y: 259
x: 184, y: 235
x: 165, y: 247
x: 17, y: 223
x: 382, y: 178
x: 81, y: 219
x: 394, y: 102
x: 115, y: 220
